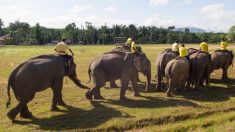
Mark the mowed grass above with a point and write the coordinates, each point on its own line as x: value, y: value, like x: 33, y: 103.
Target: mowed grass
x: 209, y: 109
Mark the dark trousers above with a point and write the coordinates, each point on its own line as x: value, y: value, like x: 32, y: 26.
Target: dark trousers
x: 66, y: 64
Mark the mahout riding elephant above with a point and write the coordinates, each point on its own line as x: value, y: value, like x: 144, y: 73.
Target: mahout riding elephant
x: 147, y: 73
x: 222, y: 60
x: 176, y: 73
x: 163, y: 58
x: 199, y: 68
x: 38, y: 74
x: 116, y: 65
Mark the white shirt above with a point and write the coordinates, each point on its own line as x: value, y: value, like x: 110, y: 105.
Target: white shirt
x: 175, y: 47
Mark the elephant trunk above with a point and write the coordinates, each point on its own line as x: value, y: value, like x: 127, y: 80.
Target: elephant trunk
x: 148, y: 75
x: 78, y: 82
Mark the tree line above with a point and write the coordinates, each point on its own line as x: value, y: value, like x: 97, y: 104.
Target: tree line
x: 22, y: 33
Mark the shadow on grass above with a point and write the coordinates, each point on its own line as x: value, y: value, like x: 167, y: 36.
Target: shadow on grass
x: 153, y: 102
x: 75, y: 118
x: 213, y: 93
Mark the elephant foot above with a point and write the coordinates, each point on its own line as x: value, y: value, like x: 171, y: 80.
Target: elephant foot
x: 61, y: 103
x: 55, y: 109
x: 123, y: 99
x: 158, y: 90
x: 169, y: 95
x: 98, y: 97
x: 137, y: 95
x: 178, y: 90
x: 225, y: 79
x: 113, y: 85
x: 148, y: 89
x: 26, y: 115
x: 89, y: 95
x: 11, y: 116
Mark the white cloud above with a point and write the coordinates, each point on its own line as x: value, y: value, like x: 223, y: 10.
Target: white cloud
x: 15, y: 13
x: 110, y: 9
x: 215, y: 15
x: 78, y: 14
x: 158, y: 2
x: 213, y: 11
x: 188, y: 1
x: 157, y: 20
x: 78, y: 8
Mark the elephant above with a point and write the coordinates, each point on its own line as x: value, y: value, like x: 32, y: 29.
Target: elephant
x: 176, y: 73
x: 38, y: 74
x: 163, y: 58
x: 222, y: 60
x: 192, y: 50
x: 199, y: 68
x: 147, y: 73
x: 115, y: 65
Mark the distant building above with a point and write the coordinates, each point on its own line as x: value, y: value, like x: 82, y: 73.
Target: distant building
x: 6, y: 39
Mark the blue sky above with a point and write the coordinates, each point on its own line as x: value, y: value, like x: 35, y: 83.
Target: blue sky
x: 211, y: 15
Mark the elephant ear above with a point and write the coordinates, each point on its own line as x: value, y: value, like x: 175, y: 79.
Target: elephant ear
x: 70, y: 62
x: 129, y: 59
x: 71, y: 65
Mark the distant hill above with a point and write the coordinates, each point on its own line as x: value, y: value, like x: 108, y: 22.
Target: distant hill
x: 191, y: 29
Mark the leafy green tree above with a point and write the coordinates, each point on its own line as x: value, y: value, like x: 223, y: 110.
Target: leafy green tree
x: 37, y: 31
x: 20, y: 31
x: 231, y: 33
x: 71, y: 32
x: 1, y: 27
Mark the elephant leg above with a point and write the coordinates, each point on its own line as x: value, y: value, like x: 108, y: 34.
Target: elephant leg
x: 159, y: 83
x: 97, y: 87
x: 188, y: 83
x: 90, y: 93
x: 54, y: 102
x: 97, y: 94
x: 170, y: 89
x: 57, y: 97
x: 124, y: 86
x: 25, y: 113
x: 207, y: 78
x: 225, y: 74
x: 201, y: 82
x: 95, y: 91
x: 134, y: 86
x: 113, y: 84
x: 14, y: 111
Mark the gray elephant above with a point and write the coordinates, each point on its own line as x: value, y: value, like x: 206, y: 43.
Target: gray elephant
x: 163, y: 58
x: 147, y: 73
x: 116, y: 65
x: 199, y: 68
x: 177, y: 73
x: 38, y: 74
x: 222, y: 60
x: 192, y: 50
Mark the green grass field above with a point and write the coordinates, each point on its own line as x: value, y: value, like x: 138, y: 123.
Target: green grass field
x: 212, y: 108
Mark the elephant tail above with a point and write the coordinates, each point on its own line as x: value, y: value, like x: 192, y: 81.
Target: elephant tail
x: 89, y: 73
x: 8, y: 89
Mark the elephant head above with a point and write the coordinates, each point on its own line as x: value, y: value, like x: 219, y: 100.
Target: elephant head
x: 71, y: 73
x: 142, y: 64
x: 231, y: 54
